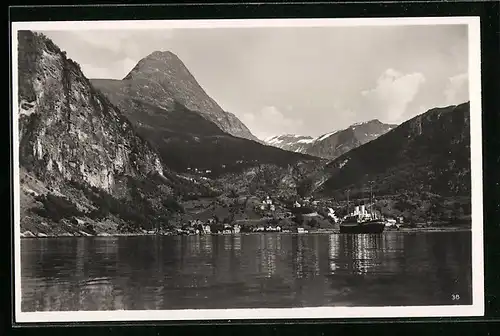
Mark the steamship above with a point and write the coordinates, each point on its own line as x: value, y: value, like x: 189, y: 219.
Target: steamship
x: 362, y: 221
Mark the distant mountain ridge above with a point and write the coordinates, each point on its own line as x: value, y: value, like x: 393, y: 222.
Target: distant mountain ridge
x: 161, y: 79
x: 333, y: 144
x: 290, y: 142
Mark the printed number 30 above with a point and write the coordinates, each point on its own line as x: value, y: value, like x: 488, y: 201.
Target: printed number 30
x: 455, y: 297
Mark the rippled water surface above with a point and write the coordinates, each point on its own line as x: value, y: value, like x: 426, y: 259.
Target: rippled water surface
x: 245, y: 271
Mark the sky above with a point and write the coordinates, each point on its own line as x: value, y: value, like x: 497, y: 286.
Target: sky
x: 302, y: 80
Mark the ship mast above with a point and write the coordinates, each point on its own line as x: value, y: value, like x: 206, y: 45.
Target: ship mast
x: 347, y: 202
x: 371, y: 199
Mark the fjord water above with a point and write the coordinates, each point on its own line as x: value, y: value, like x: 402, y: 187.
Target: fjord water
x: 246, y: 271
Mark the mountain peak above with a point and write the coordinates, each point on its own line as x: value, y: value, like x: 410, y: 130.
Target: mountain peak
x: 156, y: 60
x: 162, y: 55
x: 162, y: 80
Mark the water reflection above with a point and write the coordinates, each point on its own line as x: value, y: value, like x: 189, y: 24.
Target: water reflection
x: 333, y: 250
x: 244, y: 271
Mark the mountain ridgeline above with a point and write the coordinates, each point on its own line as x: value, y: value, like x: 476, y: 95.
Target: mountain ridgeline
x: 108, y: 156
x: 429, y: 153
x: 190, y: 131
x: 333, y: 144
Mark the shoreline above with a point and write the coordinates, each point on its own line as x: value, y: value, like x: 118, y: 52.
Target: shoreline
x: 30, y: 235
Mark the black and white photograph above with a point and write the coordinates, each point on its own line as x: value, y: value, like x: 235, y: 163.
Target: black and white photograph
x: 247, y: 169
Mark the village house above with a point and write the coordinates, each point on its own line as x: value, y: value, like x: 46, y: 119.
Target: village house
x: 390, y: 222
x: 273, y: 229
x: 227, y: 229
x: 267, y: 204
x: 236, y: 228
x: 206, y: 229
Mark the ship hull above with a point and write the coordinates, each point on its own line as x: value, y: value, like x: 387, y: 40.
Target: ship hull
x: 367, y: 227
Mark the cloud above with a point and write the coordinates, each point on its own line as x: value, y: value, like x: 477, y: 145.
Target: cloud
x: 457, y: 90
x: 270, y: 121
x: 389, y: 100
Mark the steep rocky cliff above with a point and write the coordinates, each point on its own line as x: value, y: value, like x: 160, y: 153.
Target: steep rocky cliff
x: 161, y: 79
x: 68, y: 130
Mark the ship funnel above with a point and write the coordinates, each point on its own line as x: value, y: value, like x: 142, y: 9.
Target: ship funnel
x: 362, y: 210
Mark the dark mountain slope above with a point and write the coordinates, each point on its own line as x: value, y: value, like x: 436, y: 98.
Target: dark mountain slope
x: 429, y: 153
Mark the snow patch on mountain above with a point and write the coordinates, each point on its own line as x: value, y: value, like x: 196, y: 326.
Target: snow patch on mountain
x: 324, y: 136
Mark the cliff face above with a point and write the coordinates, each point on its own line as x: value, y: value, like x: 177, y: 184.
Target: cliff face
x: 161, y: 79
x: 67, y: 129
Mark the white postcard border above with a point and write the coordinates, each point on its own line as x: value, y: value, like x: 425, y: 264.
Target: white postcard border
x: 477, y: 307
